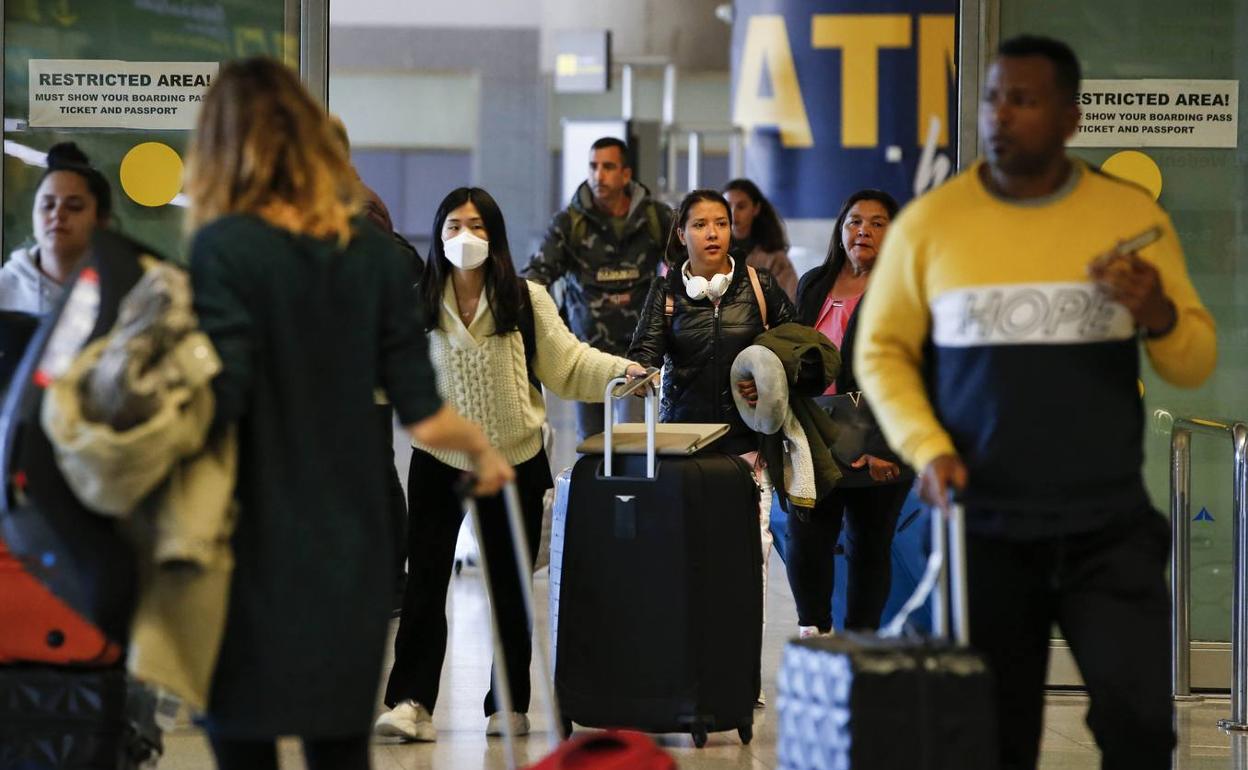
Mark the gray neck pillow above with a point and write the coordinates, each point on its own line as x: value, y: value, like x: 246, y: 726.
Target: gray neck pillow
x: 763, y: 366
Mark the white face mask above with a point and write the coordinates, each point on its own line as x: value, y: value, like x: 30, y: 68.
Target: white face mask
x: 466, y: 251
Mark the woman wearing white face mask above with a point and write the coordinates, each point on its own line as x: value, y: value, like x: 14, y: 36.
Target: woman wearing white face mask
x: 494, y: 340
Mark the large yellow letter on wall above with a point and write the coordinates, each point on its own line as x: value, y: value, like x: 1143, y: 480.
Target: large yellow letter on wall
x: 860, y: 38
x: 767, y: 49
x: 937, y: 36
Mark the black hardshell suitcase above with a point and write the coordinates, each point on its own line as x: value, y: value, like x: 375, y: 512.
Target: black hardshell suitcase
x: 64, y: 718
x: 877, y: 701
x: 660, y: 597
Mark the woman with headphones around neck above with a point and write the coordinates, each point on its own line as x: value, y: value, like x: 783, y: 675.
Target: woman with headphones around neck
x: 714, y: 315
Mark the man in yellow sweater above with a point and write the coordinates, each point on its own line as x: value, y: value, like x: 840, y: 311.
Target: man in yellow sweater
x: 1001, y: 357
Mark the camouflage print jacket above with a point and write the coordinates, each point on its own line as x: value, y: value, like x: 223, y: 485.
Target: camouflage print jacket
x: 606, y: 278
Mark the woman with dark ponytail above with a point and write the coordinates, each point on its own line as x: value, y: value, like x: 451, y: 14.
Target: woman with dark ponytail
x: 73, y: 198
x: 758, y: 235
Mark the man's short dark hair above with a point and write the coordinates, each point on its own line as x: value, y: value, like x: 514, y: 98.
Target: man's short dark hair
x: 1065, y: 63
x: 611, y: 141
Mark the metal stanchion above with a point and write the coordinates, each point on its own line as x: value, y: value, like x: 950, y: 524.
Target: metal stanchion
x: 1180, y: 566
x: 1239, y: 629
x: 940, y: 595
x: 1180, y: 577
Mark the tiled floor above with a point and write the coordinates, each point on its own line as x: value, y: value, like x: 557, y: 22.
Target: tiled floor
x: 462, y: 744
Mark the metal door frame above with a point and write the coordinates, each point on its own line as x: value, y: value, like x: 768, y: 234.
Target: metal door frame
x: 314, y: 47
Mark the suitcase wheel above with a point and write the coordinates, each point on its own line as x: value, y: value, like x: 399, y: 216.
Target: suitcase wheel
x: 699, y: 736
x: 746, y: 733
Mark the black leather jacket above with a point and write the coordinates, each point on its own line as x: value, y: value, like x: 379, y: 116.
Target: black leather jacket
x: 698, y: 344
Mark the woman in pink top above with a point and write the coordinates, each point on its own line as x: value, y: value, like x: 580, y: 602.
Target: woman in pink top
x: 870, y: 496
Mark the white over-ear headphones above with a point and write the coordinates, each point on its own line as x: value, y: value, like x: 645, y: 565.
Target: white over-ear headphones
x: 698, y: 287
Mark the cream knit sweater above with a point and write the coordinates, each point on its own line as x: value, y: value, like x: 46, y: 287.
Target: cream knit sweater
x: 483, y: 375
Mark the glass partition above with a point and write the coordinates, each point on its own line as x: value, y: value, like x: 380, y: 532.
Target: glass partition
x: 1203, y: 189
x: 142, y: 159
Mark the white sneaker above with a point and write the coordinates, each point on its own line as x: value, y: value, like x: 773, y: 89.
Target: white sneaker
x: 805, y: 632
x: 760, y: 701
x: 519, y: 723
x: 409, y: 720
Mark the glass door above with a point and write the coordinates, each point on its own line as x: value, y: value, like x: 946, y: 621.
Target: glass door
x: 120, y: 79
x: 1203, y: 188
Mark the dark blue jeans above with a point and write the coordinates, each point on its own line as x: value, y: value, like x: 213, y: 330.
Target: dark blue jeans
x: 869, y: 516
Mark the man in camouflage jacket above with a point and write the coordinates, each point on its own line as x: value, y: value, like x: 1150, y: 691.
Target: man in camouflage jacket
x: 607, y: 247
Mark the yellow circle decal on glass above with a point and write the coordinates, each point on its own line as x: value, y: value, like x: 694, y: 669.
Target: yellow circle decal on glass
x: 1135, y: 166
x: 151, y: 173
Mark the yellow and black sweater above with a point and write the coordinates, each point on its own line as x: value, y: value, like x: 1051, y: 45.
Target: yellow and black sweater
x: 983, y: 336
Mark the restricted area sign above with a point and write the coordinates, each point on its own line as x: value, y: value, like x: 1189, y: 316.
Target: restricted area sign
x: 1158, y: 113
x: 104, y: 93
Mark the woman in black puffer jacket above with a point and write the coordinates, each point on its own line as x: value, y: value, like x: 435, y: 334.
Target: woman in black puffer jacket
x: 695, y: 322
x: 699, y: 340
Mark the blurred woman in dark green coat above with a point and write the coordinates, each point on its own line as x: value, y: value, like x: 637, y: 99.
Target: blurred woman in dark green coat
x: 310, y: 308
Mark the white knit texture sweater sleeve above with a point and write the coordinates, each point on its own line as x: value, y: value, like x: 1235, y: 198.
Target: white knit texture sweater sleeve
x: 571, y: 369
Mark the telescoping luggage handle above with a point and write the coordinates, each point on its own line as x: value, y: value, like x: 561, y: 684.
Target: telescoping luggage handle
x: 621, y: 388
x: 502, y: 678
x: 944, y: 579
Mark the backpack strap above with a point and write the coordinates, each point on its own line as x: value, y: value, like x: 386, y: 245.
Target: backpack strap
x: 656, y: 229
x: 758, y: 295
x: 528, y: 333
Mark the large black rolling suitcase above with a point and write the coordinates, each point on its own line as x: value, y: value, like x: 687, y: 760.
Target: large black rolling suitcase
x: 660, y: 591
x: 66, y: 718
x: 611, y: 749
x: 867, y: 701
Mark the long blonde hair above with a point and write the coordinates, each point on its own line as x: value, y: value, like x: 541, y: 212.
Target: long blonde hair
x: 264, y: 146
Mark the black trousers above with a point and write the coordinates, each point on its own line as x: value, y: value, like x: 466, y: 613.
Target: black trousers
x: 394, y: 490
x: 870, y: 517
x: 420, y: 645
x: 1106, y: 590
x: 350, y: 753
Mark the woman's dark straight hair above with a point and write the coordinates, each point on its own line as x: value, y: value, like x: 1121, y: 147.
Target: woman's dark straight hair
x: 502, y: 287
x: 767, y: 230
x: 836, y: 250
x: 675, y: 252
x: 66, y: 156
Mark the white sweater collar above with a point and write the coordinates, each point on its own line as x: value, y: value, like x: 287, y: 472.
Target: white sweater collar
x: 461, y: 336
